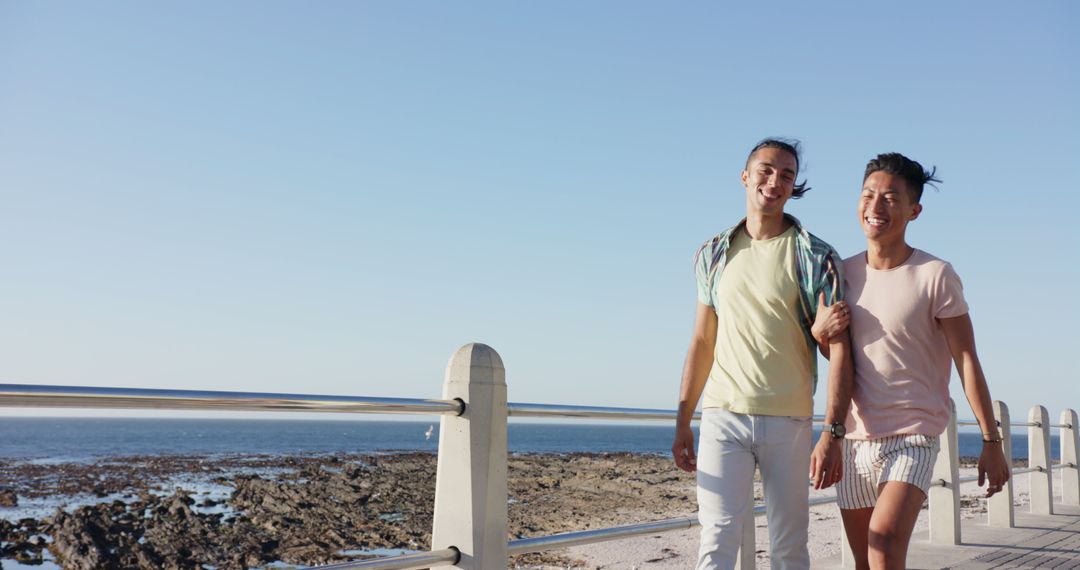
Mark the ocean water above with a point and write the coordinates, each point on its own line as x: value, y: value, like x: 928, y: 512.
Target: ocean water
x: 86, y: 439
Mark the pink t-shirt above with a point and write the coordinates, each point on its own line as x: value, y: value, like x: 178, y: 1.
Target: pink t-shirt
x: 902, y: 360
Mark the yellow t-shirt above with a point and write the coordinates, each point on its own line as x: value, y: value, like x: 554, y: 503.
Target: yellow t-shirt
x: 761, y: 364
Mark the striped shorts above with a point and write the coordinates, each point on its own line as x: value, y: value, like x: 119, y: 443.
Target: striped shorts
x: 868, y: 464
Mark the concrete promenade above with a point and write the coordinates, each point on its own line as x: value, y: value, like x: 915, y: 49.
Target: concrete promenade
x: 1037, y: 541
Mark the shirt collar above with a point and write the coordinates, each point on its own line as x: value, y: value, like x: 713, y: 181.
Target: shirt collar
x: 794, y: 221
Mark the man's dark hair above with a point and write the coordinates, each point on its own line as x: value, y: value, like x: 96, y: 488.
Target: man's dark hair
x: 899, y: 165
x: 790, y: 146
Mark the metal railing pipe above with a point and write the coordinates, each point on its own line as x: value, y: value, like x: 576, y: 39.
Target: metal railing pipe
x: 812, y: 502
x: 564, y: 540
x: 527, y: 410
x: 523, y: 410
x: 1015, y: 424
x: 400, y: 562
x: 579, y: 538
x: 976, y: 423
x: 24, y: 395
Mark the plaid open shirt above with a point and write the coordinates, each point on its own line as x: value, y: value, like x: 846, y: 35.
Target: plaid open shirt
x: 817, y: 268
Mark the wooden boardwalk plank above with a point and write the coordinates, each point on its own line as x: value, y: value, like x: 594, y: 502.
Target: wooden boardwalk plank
x: 1052, y: 548
x: 1037, y: 541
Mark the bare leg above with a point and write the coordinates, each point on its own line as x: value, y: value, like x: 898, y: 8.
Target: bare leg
x: 857, y: 527
x: 893, y: 519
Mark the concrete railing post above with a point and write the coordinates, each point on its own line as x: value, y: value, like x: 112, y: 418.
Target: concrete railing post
x: 1070, y: 452
x: 470, y: 481
x: 999, y: 508
x: 945, y: 498
x: 1042, y: 480
x: 746, y: 558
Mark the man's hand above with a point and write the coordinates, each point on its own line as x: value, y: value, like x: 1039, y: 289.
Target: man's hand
x: 830, y: 321
x: 993, y: 466
x: 683, y: 449
x: 826, y: 462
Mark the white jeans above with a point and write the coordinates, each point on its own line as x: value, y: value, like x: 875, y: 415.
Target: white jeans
x: 730, y: 446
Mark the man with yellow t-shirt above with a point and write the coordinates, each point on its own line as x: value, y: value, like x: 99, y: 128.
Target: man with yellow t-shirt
x: 752, y: 355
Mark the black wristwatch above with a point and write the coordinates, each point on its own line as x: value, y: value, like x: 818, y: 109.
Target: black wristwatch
x: 837, y: 430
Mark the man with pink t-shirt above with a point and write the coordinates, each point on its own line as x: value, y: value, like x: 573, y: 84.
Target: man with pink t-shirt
x: 908, y: 320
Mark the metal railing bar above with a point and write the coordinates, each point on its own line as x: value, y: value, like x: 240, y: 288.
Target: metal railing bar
x: 760, y: 509
x: 564, y: 540
x: 1013, y: 424
x: 974, y: 478
x: 527, y: 410
x: 817, y: 501
x: 1023, y: 471
x: 971, y: 479
x: 580, y: 538
x: 523, y: 410
x: 26, y: 395
x: 23, y: 395
x: 400, y: 562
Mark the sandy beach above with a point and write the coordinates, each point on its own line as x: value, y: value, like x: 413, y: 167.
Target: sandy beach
x: 246, y: 511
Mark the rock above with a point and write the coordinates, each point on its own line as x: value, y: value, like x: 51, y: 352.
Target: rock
x: 8, y: 498
x: 80, y: 539
x: 29, y: 558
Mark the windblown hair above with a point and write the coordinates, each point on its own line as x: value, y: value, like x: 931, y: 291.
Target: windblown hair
x: 912, y: 172
x: 790, y: 146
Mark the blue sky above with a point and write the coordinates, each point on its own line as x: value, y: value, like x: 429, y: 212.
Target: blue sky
x: 332, y: 197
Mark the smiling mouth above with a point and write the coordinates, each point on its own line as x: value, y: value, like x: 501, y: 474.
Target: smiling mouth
x: 875, y: 221
x: 770, y: 195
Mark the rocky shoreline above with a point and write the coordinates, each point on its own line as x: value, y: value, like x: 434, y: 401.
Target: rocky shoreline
x: 157, y: 512
x: 257, y: 511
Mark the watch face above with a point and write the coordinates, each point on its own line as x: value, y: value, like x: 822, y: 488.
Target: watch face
x: 838, y: 430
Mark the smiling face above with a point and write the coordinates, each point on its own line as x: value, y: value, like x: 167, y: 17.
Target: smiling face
x: 886, y: 206
x: 769, y: 179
